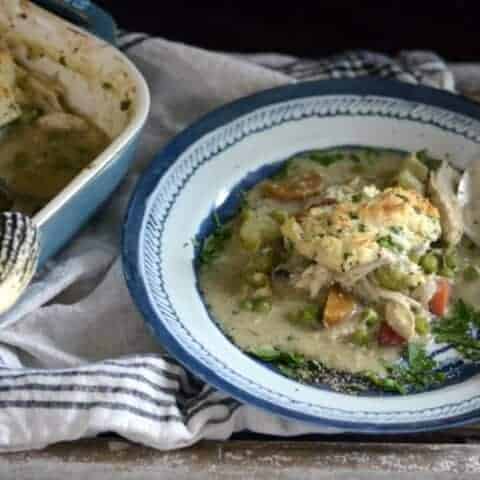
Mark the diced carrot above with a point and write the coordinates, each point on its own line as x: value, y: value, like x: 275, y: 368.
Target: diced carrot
x: 439, y: 301
x: 339, y: 306
x: 387, y: 336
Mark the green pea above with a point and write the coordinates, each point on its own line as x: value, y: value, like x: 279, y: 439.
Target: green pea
x: 360, y: 337
x: 246, y: 304
x: 422, y: 327
x: 279, y: 216
x: 471, y: 273
x: 306, y: 316
x: 430, y: 263
x: 310, y: 314
x: 370, y: 317
x: 257, y: 279
x: 451, y: 259
x: 447, y: 272
x: 262, y: 305
x: 261, y: 261
x: 390, y: 279
x: 414, y: 257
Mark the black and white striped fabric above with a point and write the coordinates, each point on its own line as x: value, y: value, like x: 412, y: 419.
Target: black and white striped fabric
x: 75, y: 358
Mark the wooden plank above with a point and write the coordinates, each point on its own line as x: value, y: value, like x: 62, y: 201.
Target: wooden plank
x: 108, y: 459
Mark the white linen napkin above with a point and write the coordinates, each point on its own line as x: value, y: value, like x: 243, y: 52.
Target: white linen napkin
x: 75, y: 357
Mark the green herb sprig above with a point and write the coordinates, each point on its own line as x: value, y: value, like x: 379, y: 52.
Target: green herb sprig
x: 457, y: 329
x: 215, y: 243
x: 418, y: 373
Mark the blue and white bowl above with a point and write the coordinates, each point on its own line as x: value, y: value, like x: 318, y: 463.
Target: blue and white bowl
x: 201, y: 171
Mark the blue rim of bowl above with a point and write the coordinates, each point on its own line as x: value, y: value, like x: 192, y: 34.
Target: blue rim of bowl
x: 134, y: 220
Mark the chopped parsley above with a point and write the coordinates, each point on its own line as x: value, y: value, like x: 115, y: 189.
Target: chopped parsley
x: 417, y: 373
x: 297, y: 367
x: 214, y: 244
x: 460, y: 329
x: 388, y: 243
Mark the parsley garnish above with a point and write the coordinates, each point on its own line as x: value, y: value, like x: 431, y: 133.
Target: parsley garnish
x: 214, y: 244
x: 417, y: 374
x: 388, y: 243
x: 458, y: 329
x: 299, y: 368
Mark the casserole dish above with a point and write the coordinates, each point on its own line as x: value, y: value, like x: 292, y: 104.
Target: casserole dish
x: 101, y: 85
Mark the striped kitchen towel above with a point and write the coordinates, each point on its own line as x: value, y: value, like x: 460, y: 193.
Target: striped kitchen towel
x: 75, y: 358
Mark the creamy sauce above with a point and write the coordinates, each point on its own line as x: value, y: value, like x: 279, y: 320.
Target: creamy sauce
x: 222, y: 285
x: 37, y: 163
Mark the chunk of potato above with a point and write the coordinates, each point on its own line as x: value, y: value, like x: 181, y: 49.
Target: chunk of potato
x: 258, y: 229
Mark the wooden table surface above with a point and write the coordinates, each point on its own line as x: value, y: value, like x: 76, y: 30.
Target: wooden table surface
x: 454, y: 454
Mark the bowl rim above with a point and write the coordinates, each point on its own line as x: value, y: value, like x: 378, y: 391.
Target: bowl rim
x: 160, y: 165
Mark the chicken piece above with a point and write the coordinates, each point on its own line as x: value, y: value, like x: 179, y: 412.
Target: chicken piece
x: 347, y: 280
x: 442, y: 186
x: 9, y: 108
x: 313, y: 279
x: 424, y: 292
x: 401, y: 319
x: 60, y: 121
x: 372, y: 293
x: 38, y: 92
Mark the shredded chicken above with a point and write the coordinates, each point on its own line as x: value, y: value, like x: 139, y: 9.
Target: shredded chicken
x: 400, y: 318
x: 313, y: 279
x: 62, y: 121
x: 41, y: 94
x: 372, y: 293
x: 424, y: 293
x: 347, y: 280
x: 442, y: 187
x: 316, y: 277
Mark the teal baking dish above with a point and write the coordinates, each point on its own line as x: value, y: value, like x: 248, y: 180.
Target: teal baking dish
x: 84, y: 64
